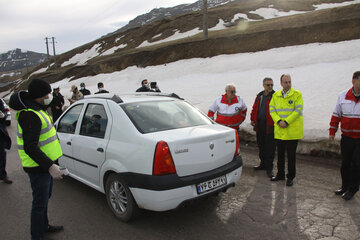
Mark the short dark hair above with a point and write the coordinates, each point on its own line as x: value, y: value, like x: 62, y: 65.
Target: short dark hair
x: 142, y: 82
x: 267, y: 79
x: 356, y: 75
x: 100, y: 84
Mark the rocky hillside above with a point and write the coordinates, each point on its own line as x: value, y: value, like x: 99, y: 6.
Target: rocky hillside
x: 160, y: 13
x: 18, y: 59
x: 236, y: 27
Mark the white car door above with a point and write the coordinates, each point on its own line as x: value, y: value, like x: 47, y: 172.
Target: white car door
x: 66, y: 127
x: 89, y: 145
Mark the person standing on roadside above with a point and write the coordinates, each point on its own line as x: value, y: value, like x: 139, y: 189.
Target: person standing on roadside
x: 347, y: 113
x: 145, y: 87
x: 39, y: 150
x: 83, y: 90
x: 101, y: 88
x: 76, y: 94
x: 264, y: 127
x: 230, y: 109
x: 5, y: 143
x: 286, y: 109
x: 57, y: 103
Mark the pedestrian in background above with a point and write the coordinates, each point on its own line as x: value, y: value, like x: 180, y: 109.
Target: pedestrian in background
x: 76, y: 94
x: 100, y: 86
x: 83, y: 90
x: 230, y: 109
x: 264, y: 127
x: 286, y: 110
x: 146, y: 87
x: 39, y: 150
x: 347, y: 112
x: 5, y: 143
x: 57, y: 103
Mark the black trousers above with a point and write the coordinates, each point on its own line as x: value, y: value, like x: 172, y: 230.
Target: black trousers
x: 3, y: 173
x: 266, y: 144
x: 350, y: 165
x: 290, y: 146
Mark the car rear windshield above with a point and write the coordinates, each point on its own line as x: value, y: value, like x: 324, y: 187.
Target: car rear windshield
x: 158, y: 116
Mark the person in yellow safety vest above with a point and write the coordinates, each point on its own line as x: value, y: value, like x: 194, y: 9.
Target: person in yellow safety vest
x: 39, y: 150
x: 286, y: 110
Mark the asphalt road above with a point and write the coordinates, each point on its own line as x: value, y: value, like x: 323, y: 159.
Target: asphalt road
x: 254, y: 209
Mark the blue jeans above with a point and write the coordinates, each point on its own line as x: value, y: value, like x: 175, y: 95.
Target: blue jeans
x: 41, y: 185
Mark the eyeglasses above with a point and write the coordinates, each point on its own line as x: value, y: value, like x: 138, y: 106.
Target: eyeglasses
x: 269, y: 85
x: 232, y: 91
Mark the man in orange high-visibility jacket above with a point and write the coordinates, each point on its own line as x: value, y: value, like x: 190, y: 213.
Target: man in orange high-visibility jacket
x: 347, y: 112
x: 230, y: 109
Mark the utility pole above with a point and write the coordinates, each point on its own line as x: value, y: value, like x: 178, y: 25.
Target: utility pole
x: 47, y: 51
x: 53, y: 42
x: 205, y: 20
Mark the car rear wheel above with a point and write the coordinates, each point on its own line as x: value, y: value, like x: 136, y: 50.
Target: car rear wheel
x: 120, y: 199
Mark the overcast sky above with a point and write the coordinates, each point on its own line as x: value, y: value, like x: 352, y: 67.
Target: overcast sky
x: 25, y: 23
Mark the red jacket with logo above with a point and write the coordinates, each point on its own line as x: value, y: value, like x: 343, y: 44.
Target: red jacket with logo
x: 228, y: 114
x: 347, y: 112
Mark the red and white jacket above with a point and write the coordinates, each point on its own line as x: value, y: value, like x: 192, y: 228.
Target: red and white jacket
x: 228, y: 114
x: 347, y: 112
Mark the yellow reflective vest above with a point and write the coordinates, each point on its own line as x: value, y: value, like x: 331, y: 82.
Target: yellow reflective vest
x: 48, y: 140
x: 289, y: 109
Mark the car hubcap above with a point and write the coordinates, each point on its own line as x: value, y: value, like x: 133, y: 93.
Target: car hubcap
x: 118, y: 197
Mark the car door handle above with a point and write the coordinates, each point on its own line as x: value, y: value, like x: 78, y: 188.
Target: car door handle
x: 68, y: 143
x: 100, y: 149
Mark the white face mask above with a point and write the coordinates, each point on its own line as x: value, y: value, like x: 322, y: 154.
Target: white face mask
x: 47, y: 101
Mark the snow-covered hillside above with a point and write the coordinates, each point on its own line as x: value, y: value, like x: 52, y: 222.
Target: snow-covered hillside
x: 319, y: 71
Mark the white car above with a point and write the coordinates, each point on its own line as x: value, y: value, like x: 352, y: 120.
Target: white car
x: 8, y: 116
x: 147, y: 150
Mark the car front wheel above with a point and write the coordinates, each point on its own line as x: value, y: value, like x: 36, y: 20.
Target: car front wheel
x: 120, y: 199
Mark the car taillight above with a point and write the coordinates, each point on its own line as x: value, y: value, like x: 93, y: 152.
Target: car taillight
x: 163, y: 161
x: 237, y: 149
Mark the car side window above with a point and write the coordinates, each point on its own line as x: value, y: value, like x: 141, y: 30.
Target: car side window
x: 94, y: 122
x: 67, y: 123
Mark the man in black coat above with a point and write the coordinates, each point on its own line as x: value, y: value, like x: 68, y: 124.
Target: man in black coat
x: 145, y: 87
x: 57, y: 103
x: 5, y: 143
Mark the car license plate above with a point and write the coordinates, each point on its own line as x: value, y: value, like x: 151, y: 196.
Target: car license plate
x: 211, y: 184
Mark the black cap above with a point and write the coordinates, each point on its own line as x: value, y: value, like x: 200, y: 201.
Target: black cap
x: 38, y: 88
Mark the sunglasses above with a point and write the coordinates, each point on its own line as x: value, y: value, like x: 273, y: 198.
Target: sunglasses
x: 269, y: 85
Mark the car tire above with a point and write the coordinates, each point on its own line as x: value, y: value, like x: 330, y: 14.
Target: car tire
x: 120, y: 199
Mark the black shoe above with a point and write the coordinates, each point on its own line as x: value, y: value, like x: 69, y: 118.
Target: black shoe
x: 259, y: 167
x: 348, y: 195
x: 269, y: 173
x: 289, y: 182
x: 52, y: 229
x: 277, y: 178
x: 7, y: 180
x: 340, y: 191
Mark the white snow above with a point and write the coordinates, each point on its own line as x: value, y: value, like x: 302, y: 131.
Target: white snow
x: 240, y: 15
x: 112, y: 50
x: 177, y: 35
x: 319, y: 71
x: 332, y: 5
x: 82, y: 58
x: 268, y: 13
x: 271, y: 12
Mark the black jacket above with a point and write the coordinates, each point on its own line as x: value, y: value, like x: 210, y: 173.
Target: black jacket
x: 146, y: 89
x: 4, y: 135
x: 31, y: 127
x: 102, y: 91
x: 58, y: 101
x: 85, y: 91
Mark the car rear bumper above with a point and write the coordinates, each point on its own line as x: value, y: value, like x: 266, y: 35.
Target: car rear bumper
x: 171, y: 198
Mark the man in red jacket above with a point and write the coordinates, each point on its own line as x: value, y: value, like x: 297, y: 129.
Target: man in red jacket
x: 230, y: 109
x: 264, y: 127
x: 347, y: 112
